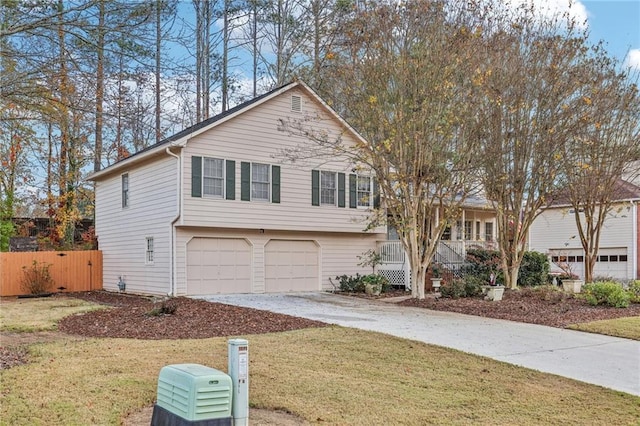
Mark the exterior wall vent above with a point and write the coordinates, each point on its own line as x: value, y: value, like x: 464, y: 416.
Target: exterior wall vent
x: 296, y: 103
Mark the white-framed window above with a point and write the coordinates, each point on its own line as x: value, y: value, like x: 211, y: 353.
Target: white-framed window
x: 125, y: 190
x: 260, y: 181
x: 364, y: 191
x: 459, y: 235
x: 328, y: 187
x: 149, y: 251
x: 213, y: 177
x: 468, y: 230
x: 488, y: 231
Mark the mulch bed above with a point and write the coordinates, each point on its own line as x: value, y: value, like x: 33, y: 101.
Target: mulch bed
x: 544, y: 307
x: 137, y: 317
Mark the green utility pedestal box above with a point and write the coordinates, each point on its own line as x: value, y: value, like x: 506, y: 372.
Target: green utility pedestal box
x: 192, y: 394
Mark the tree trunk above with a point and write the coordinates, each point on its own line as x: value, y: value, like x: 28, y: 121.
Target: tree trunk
x: 225, y: 56
x: 157, y: 70
x: 97, y: 159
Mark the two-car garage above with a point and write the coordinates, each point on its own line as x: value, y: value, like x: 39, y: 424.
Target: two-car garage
x: 234, y: 265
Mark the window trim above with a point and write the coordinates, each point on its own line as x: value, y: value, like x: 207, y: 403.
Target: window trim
x: 268, y: 183
x: 223, y: 178
x: 371, y: 195
x: 125, y: 190
x: 467, y: 231
x: 149, y: 251
x: 335, y: 188
x: 488, y: 236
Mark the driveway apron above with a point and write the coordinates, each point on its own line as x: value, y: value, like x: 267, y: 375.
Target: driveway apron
x: 601, y: 360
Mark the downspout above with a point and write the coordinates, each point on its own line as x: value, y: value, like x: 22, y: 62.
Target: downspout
x: 172, y: 263
x: 635, y: 239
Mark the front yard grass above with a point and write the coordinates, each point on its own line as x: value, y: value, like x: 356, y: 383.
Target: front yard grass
x: 628, y: 327
x: 40, y: 314
x: 328, y: 375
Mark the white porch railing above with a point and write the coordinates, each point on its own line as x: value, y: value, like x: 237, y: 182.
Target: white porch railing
x: 395, y: 262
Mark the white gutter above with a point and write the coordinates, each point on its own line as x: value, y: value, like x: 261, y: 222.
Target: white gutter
x: 172, y: 264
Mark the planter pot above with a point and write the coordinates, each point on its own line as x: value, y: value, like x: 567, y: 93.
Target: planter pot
x: 493, y: 292
x: 572, y: 286
x: 372, y: 289
x: 435, y: 283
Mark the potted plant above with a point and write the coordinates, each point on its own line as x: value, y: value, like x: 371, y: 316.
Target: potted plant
x: 436, y: 277
x: 374, y: 284
x: 570, y: 281
x: 493, y: 291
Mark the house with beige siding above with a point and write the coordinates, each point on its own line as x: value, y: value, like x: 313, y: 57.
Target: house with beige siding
x: 215, y: 209
x: 555, y: 233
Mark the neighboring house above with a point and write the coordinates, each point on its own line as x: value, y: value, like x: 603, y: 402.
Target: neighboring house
x: 555, y: 233
x: 214, y: 209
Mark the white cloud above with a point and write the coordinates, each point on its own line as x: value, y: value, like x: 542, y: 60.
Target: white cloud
x: 548, y: 9
x: 633, y: 59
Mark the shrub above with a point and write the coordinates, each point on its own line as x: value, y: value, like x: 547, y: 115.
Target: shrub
x: 534, y: 269
x: 376, y: 281
x: 473, y: 286
x: 37, y: 279
x: 606, y: 293
x: 468, y: 287
x: 7, y: 230
x: 165, y: 308
x: 453, y: 289
x: 549, y: 293
x: 350, y: 283
x: 634, y: 291
x: 481, y: 263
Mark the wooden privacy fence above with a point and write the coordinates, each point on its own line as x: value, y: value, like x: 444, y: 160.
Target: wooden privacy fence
x: 73, y: 270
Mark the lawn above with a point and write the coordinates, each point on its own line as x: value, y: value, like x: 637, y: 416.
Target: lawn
x: 39, y: 314
x: 621, y: 327
x: 330, y: 375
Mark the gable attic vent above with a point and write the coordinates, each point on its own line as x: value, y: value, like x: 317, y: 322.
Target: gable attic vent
x: 296, y: 103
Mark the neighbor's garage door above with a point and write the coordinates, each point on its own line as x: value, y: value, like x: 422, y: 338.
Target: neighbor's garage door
x: 291, y: 266
x: 612, y: 262
x: 218, y: 265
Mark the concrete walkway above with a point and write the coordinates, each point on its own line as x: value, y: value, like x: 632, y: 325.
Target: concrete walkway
x: 602, y: 360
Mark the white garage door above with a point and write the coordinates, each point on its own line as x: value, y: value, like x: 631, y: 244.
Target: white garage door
x: 291, y: 266
x: 612, y: 262
x: 218, y: 265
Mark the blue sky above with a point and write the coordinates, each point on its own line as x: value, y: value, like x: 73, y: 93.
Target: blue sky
x: 618, y: 23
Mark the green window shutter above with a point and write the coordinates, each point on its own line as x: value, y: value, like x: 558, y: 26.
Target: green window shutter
x: 341, y: 194
x: 315, y: 187
x: 376, y: 194
x: 196, y: 176
x: 353, y: 195
x: 230, y: 181
x: 275, y: 184
x: 245, y: 181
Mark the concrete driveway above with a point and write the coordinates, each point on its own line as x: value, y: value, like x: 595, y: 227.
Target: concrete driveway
x: 602, y: 360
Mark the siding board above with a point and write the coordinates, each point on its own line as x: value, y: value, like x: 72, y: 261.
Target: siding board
x: 254, y: 137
